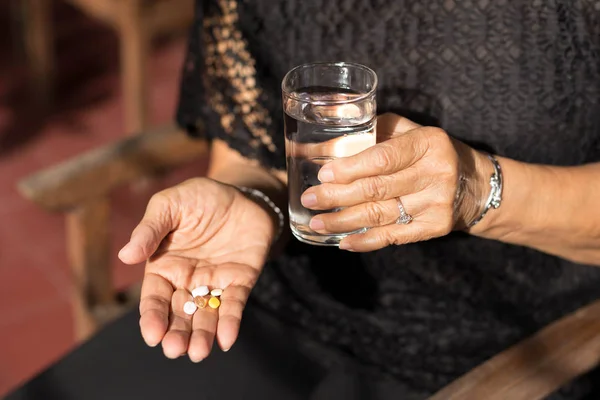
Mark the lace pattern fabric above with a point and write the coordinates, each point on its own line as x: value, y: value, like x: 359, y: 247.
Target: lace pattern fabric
x: 520, y: 78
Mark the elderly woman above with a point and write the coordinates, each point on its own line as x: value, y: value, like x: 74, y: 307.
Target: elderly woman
x: 476, y: 270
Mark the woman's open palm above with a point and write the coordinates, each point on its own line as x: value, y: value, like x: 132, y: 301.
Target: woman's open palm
x: 200, y: 232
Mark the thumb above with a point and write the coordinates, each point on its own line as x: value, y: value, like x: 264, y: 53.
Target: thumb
x: 156, y: 224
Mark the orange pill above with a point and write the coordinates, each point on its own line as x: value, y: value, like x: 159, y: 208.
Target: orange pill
x: 214, y: 302
x: 200, y: 301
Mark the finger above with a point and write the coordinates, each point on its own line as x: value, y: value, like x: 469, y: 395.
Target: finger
x: 146, y: 237
x: 367, y: 215
x: 376, y: 188
x: 204, y: 321
x: 204, y: 327
x: 176, y: 340
x: 382, y: 159
x: 383, y: 236
x: 233, y: 301
x: 236, y: 281
x: 390, y: 125
x: 429, y: 225
x: 155, y: 303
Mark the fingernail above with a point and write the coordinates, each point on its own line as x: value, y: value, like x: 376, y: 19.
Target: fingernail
x: 226, y: 350
x: 317, y: 224
x: 345, y: 246
x: 308, y: 200
x: 326, y: 174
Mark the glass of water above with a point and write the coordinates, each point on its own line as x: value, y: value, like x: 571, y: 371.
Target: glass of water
x: 330, y: 112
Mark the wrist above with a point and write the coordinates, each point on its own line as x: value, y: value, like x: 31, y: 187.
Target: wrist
x: 254, y: 177
x: 494, y: 198
x: 523, y: 185
x: 473, y: 187
x: 274, y: 212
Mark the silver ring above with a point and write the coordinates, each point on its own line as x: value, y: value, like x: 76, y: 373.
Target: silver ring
x: 404, y: 218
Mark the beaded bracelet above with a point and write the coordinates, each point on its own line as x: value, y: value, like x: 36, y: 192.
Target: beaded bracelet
x: 257, y: 194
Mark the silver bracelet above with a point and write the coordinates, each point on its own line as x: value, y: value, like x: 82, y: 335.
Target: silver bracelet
x: 495, y: 198
x: 257, y: 194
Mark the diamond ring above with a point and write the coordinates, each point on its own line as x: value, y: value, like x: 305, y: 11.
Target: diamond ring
x: 404, y: 217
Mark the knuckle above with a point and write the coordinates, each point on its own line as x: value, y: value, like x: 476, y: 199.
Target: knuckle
x: 375, y: 214
x: 387, y: 238
x: 382, y: 157
x: 325, y: 195
x: 449, y: 172
x: 157, y: 214
x: 233, y: 306
x: 332, y: 222
x: 445, y: 224
x: 444, y: 201
x: 437, y: 135
x: 160, y: 203
x: 418, y: 177
x: 159, y: 198
x: 248, y: 279
x: 443, y: 171
x: 374, y: 188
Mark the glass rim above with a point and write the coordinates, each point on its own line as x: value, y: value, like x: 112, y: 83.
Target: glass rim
x: 286, y: 90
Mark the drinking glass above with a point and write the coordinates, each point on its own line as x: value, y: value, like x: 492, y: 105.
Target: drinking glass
x: 329, y: 112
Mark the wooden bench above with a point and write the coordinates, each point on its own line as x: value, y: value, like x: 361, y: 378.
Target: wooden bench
x: 537, y: 366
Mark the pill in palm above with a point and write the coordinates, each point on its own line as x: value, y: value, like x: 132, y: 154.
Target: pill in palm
x: 216, y: 292
x: 214, y: 302
x: 200, y: 291
x: 189, y: 307
x: 200, y: 302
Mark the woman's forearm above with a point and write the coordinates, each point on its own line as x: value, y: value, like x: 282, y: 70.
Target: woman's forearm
x: 553, y: 209
x: 228, y: 166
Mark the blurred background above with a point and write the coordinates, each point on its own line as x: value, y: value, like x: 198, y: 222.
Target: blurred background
x: 88, y: 91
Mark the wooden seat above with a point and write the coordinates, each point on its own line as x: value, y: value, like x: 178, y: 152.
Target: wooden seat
x: 537, y: 366
x: 136, y: 23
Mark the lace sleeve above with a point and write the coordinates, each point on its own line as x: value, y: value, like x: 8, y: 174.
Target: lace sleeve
x: 220, y: 88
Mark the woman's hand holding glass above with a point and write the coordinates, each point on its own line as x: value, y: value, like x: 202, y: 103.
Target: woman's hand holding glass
x: 437, y: 178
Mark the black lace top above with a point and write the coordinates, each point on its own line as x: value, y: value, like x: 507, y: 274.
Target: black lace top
x: 520, y: 78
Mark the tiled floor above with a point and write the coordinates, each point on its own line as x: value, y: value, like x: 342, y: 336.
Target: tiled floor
x: 35, y: 319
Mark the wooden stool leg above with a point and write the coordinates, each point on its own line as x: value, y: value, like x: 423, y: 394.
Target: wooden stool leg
x: 135, y: 45
x: 39, y: 49
x: 88, y: 249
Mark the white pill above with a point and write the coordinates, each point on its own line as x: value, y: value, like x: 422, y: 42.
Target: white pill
x: 189, y: 307
x: 216, y: 292
x: 200, y: 291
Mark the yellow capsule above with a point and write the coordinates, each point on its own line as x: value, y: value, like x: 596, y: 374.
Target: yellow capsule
x: 214, y: 302
x: 200, y: 301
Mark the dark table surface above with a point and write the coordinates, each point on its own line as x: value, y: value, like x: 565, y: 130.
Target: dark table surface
x: 265, y: 363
